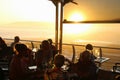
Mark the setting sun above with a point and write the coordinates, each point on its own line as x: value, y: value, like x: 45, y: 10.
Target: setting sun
x: 76, y: 17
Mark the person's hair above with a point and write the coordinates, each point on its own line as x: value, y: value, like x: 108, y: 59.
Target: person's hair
x: 16, y: 39
x: 44, y: 44
x: 21, y: 47
x: 59, y: 60
x: 89, y: 47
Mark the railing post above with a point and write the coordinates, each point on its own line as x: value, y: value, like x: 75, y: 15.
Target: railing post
x: 74, y: 54
x: 100, y: 54
x: 32, y: 44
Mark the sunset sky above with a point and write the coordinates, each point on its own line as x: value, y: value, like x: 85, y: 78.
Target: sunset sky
x: 44, y: 10
x: 31, y: 18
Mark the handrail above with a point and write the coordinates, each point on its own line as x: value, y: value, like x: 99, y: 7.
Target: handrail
x: 93, y: 46
x: 31, y: 41
x: 74, y: 48
x: 22, y: 40
x: 65, y: 44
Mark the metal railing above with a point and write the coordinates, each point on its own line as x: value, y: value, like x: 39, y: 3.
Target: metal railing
x: 75, y: 49
x: 35, y: 44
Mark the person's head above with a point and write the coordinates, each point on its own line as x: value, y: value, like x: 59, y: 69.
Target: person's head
x: 59, y: 60
x: 16, y: 39
x: 89, y: 47
x: 21, y: 48
x: 85, y: 56
x: 45, y: 44
x: 50, y: 41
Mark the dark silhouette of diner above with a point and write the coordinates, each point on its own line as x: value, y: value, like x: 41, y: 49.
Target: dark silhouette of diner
x: 44, y: 55
x: 57, y: 73
x: 19, y: 64
x: 3, y: 47
x: 16, y: 40
x: 85, y: 68
x: 5, y: 51
x: 53, y: 48
x: 89, y: 48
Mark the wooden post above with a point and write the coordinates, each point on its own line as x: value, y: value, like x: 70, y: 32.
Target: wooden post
x: 56, y: 27
x: 61, y: 28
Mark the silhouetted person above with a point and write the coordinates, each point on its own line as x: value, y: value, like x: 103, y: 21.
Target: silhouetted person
x: 16, y: 40
x: 57, y: 73
x: 19, y: 65
x: 89, y: 48
x: 53, y: 48
x: 3, y: 45
x: 3, y: 48
x: 44, y: 55
x: 85, y: 68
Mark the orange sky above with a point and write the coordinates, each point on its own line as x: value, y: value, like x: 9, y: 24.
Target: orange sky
x: 44, y: 10
x: 16, y: 17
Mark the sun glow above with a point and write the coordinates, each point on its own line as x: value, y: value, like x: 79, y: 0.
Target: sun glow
x: 76, y: 17
x: 77, y: 28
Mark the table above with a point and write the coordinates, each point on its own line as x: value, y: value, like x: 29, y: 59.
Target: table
x: 101, y: 60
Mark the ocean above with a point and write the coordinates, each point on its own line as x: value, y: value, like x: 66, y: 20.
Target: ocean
x: 97, y: 34
x: 105, y: 35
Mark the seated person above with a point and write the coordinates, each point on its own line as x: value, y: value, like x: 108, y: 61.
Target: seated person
x: 19, y: 64
x: 44, y: 56
x: 53, y: 48
x: 89, y: 48
x: 3, y: 48
x: 5, y: 51
x: 85, y: 68
x: 57, y: 72
x: 16, y: 40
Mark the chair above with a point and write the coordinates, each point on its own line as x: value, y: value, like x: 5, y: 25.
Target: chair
x: 116, y: 68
